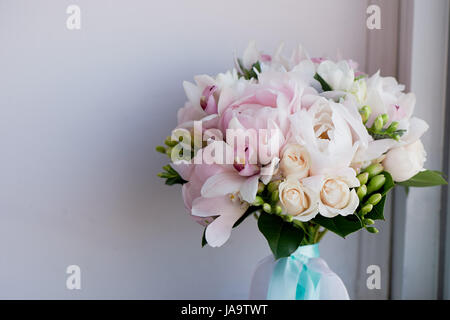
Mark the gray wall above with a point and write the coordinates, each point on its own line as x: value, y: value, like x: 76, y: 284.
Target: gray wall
x: 428, y: 81
x: 80, y: 114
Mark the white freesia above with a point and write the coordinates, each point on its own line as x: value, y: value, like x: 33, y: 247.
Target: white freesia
x: 359, y: 90
x: 298, y: 200
x: 339, y: 76
x: 405, y: 162
x: 295, y: 161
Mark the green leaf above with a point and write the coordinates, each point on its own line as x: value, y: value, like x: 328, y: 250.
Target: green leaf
x: 172, y: 177
x: 340, y: 225
x: 283, y: 237
x: 204, y: 242
x: 407, y: 190
x: 388, y: 185
x: 323, y: 83
x: 426, y: 178
x: 361, y: 76
x: 377, y: 212
x: 249, y: 211
x: 249, y: 73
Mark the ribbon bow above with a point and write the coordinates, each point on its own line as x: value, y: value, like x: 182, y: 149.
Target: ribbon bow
x: 292, y: 279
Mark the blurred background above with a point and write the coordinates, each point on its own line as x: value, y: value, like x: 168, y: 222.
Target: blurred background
x: 82, y: 110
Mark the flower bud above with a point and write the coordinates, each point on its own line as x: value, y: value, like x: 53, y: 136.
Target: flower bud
x: 169, y: 142
x: 392, y: 127
x: 261, y: 187
x: 160, y: 149
x: 366, y: 209
x: 288, y: 218
x: 385, y: 118
x: 275, y: 196
x: 374, y: 169
x: 369, y: 222
x: 272, y: 186
x: 365, y: 113
x: 267, y: 208
x: 258, y: 201
x: 361, y: 191
x: 278, y: 210
x: 378, y: 123
x: 372, y: 230
x: 374, y: 199
x: 376, y: 183
x: 405, y: 162
x: 363, y: 178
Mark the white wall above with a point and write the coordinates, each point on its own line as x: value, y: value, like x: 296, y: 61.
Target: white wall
x: 80, y: 114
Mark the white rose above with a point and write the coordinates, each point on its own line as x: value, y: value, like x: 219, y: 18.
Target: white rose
x: 405, y: 162
x: 295, y: 161
x: 298, y: 200
x: 338, y: 75
x: 337, y: 196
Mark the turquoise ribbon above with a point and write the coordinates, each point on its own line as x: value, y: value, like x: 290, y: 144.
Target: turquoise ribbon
x: 292, y: 279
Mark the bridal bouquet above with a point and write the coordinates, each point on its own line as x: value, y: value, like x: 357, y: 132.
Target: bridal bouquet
x: 305, y: 145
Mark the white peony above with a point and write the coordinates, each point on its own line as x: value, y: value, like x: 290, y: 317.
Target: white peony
x: 405, y: 162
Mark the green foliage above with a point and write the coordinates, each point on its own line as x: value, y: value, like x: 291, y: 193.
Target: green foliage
x: 283, y: 237
x: 204, y: 242
x: 378, y: 130
x: 426, y: 178
x: 323, y: 83
x: 249, y: 211
x: 172, y: 177
x: 361, y: 76
x: 249, y: 73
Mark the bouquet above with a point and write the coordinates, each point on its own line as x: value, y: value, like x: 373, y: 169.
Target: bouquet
x: 306, y: 145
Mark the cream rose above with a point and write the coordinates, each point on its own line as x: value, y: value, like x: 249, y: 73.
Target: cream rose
x: 405, y: 162
x: 295, y: 161
x: 337, y: 197
x: 298, y: 200
x: 335, y: 194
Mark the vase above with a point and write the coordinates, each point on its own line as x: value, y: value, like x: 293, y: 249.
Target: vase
x: 301, y: 276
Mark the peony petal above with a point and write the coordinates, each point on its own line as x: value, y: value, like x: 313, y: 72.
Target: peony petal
x: 374, y: 150
x: 417, y: 127
x: 251, y: 55
x: 193, y: 93
x: 189, y: 113
x: 184, y: 169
